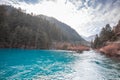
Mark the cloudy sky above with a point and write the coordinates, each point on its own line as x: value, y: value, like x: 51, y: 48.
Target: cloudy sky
x: 87, y: 17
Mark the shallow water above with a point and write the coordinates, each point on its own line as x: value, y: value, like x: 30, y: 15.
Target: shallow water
x: 22, y: 64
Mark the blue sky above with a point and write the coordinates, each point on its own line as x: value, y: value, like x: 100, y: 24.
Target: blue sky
x: 87, y: 17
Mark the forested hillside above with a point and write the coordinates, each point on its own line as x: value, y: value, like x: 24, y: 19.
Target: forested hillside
x: 108, y: 41
x: 21, y: 30
x: 107, y: 35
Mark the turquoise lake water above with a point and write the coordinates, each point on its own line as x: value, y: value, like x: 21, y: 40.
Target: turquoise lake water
x: 19, y: 64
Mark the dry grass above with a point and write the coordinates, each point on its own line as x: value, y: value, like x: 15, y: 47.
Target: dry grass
x: 79, y: 48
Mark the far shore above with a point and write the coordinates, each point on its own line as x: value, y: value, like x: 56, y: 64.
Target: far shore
x: 77, y: 48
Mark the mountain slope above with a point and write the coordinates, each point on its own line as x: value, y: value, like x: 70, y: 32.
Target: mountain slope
x: 18, y: 29
x: 89, y: 38
x: 71, y: 34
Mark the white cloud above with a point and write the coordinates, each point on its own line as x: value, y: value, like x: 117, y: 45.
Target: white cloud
x: 87, y: 21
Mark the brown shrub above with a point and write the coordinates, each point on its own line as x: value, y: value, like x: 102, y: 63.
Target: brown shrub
x: 111, y: 49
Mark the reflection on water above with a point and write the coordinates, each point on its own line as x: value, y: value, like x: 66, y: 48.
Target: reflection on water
x: 57, y: 65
